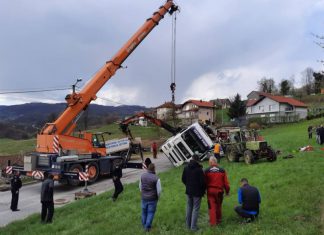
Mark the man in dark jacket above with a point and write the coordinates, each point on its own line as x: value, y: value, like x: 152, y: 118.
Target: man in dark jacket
x: 117, y: 174
x: 216, y: 183
x: 15, y: 186
x: 150, y: 187
x: 194, y: 180
x: 47, y: 200
x: 249, y: 198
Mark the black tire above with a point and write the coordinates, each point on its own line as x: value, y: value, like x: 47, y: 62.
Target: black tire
x: 248, y: 157
x: 93, y: 172
x: 232, y: 154
x: 75, y: 168
x: 272, y: 156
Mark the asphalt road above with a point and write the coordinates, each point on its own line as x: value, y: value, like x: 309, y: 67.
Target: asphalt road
x: 29, y: 195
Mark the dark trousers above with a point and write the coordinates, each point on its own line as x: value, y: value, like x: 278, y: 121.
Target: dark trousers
x: 47, y: 209
x: 239, y: 210
x: 118, y: 187
x: 215, y: 200
x: 310, y: 135
x: 217, y: 156
x: 14, y: 199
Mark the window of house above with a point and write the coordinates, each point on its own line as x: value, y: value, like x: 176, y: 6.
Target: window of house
x: 261, y: 108
x: 207, y: 113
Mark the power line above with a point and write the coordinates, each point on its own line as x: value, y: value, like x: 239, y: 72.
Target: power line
x: 109, y: 100
x: 33, y: 91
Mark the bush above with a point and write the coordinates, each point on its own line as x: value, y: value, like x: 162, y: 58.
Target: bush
x: 255, y: 126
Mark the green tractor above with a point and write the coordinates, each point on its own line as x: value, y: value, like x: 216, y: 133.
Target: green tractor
x: 246, y: 144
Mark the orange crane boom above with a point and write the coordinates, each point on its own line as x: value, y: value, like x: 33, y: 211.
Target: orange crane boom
x: 57, y: 135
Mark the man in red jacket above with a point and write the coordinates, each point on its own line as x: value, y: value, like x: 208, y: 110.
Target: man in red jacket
x: 216, y: 182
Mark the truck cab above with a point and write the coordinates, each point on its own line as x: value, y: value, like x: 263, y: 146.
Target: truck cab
x: 181, y: 147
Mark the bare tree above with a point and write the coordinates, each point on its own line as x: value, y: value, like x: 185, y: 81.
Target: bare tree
x: 308, y: 80
x: 267, y: 85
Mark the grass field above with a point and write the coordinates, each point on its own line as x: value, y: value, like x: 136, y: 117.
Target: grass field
x: 292, y: 192
x: 18, y: 147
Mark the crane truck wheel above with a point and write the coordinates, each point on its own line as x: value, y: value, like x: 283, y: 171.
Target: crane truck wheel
x: 93, y: 172
x: 75, y: 168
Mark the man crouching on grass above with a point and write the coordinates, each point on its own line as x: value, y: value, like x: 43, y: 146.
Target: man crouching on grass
x: 249, y: 198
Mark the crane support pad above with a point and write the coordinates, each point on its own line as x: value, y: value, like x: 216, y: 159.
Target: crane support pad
x: 133, y: 165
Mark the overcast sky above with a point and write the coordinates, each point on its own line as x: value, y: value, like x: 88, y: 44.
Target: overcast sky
x: 223, y: 47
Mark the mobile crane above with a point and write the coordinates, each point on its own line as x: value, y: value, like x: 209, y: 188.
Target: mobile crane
x: 61, y: 153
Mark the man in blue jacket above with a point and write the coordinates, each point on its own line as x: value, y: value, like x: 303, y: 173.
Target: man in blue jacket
x: 249, y: 198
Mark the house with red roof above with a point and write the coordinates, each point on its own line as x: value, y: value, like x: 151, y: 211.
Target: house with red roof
x: 197, y: 110
x: 274, y: 107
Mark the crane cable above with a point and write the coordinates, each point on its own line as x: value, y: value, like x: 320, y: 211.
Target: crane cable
x: 173, y: 57
x: 173, y: 65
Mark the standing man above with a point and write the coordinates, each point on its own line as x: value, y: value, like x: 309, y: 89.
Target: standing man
x: 150, y: 187
x: 249, y: 198
x: 117, y: 174
x: 310, y: 132
x: 217, y: 149
x: 321, y: 132
x: 154, y: 149
x: 47, y: 200
x: 194, y: 180
x: 216, y: 183
x: 15, y: 186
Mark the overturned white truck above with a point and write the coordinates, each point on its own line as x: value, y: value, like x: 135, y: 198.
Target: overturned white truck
x: 182, y: 146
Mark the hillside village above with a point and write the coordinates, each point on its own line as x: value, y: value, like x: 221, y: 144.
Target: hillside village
x: 238, y: 149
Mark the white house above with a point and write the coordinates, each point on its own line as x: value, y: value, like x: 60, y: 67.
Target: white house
x: 275, y: 108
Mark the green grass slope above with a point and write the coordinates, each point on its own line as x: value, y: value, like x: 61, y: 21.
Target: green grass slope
x: 292, y: 193
x: 151, y: 132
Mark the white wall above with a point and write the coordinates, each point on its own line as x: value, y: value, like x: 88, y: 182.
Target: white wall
x: 265, y: 106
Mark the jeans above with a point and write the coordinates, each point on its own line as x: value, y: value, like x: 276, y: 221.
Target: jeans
x: 148, y: 211
x: 193, y: 206
x: 246, y: 214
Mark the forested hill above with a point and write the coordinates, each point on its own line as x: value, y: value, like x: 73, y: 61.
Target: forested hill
x: 26, y: 118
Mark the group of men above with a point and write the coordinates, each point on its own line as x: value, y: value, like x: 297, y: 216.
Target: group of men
x: 319, y: 130
x: 47, y: 200
x: 214, y: 181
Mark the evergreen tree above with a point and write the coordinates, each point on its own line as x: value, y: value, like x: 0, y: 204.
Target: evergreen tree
x: 284, y: 87
x: 237, y: 108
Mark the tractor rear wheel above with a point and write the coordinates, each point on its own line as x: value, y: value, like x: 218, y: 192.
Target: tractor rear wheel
x: 248, y: 157
x: 75, y: 168
x: 272, y: 156
x: 232, y: 154
x: 93, y: 172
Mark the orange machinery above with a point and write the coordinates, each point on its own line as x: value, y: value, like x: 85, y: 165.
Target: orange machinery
x: 56, y: 137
